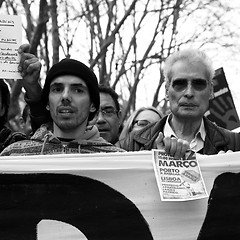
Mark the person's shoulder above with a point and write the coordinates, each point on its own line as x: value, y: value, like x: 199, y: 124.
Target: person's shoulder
x: 8, y: 137
x: 18, y: 148
x: 223, y: 136
x: 211, y: 126
x: 232, y: 136
x: 17, y: 136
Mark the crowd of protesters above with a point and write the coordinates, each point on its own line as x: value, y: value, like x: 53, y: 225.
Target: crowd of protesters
x: 72, y: 113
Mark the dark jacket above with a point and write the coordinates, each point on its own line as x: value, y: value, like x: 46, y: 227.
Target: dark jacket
x: 217, y: 138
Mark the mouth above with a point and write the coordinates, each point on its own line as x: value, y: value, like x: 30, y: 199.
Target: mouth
x: 103, y: 130
x: 65, y: 111
x: 188, y: 105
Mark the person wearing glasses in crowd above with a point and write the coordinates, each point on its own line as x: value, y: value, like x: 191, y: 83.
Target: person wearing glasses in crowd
x: 189, y: 87
x: 138, y: 120
x: 71, y: 96
x: 108, y: 118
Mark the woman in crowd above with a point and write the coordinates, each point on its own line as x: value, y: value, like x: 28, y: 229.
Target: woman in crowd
x: 139, y: 119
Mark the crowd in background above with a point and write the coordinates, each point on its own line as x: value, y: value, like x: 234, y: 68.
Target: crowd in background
x: 72, y: 113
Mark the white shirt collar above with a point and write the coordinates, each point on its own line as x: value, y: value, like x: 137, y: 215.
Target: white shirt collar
x: 197, y: 143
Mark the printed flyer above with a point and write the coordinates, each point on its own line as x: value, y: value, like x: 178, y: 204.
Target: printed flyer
x: 178, y: 179
x: 10, y: 41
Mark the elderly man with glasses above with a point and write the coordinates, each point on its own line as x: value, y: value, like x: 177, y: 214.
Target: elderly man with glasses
x: 189, y: 87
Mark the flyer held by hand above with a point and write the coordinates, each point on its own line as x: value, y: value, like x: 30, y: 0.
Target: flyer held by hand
x: 178, y: 179
x: 10, y: 41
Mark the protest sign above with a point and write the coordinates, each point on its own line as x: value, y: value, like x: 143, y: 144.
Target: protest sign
x: 222, y: 110
x: 178, y: 179
x: 39, y: 197
x: 10, y: 41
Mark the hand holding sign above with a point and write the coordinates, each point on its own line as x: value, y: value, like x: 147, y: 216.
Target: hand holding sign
x: 173, y: 146
x: 29, y: 68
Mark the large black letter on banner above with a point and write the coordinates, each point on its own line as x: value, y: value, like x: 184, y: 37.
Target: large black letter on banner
x: 222, y: 219
x: 94, y: 208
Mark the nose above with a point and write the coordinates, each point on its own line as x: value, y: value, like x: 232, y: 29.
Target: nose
x: 189, y: 91
x: 66, y: 96
x: 100, y: 118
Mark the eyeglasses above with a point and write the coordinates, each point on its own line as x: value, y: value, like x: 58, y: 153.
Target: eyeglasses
x: 181, y: 84
x: 107, y: 112
x: 141, y: 123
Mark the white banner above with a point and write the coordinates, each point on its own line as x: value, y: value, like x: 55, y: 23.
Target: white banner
x: 102, y: 194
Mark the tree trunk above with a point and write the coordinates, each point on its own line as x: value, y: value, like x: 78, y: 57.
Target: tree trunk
x: 55, y: 32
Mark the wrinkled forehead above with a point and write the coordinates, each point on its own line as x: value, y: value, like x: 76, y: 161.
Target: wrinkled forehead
x: 189, y: 71
x: 106, y: 100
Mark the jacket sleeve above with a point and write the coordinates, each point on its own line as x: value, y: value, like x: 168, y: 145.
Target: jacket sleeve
x: 128, y: 143
x: 143, y: 139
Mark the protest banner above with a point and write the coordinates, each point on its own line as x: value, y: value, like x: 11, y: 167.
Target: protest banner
x: 109, y: 196
x: 222, y: 110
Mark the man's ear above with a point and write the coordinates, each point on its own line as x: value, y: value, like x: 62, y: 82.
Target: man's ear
x: 92, y: 107
x: 166, y: 92
x: 119, y: 114
x: 211, y: 92
x: 47, y: 107
x: 21, y: 123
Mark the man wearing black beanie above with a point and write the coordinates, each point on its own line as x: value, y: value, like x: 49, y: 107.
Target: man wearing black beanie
x: 71, y: 96
x: 73, y: 67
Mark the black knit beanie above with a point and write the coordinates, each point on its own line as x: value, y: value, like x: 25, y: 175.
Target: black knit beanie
x: 73, y: 67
